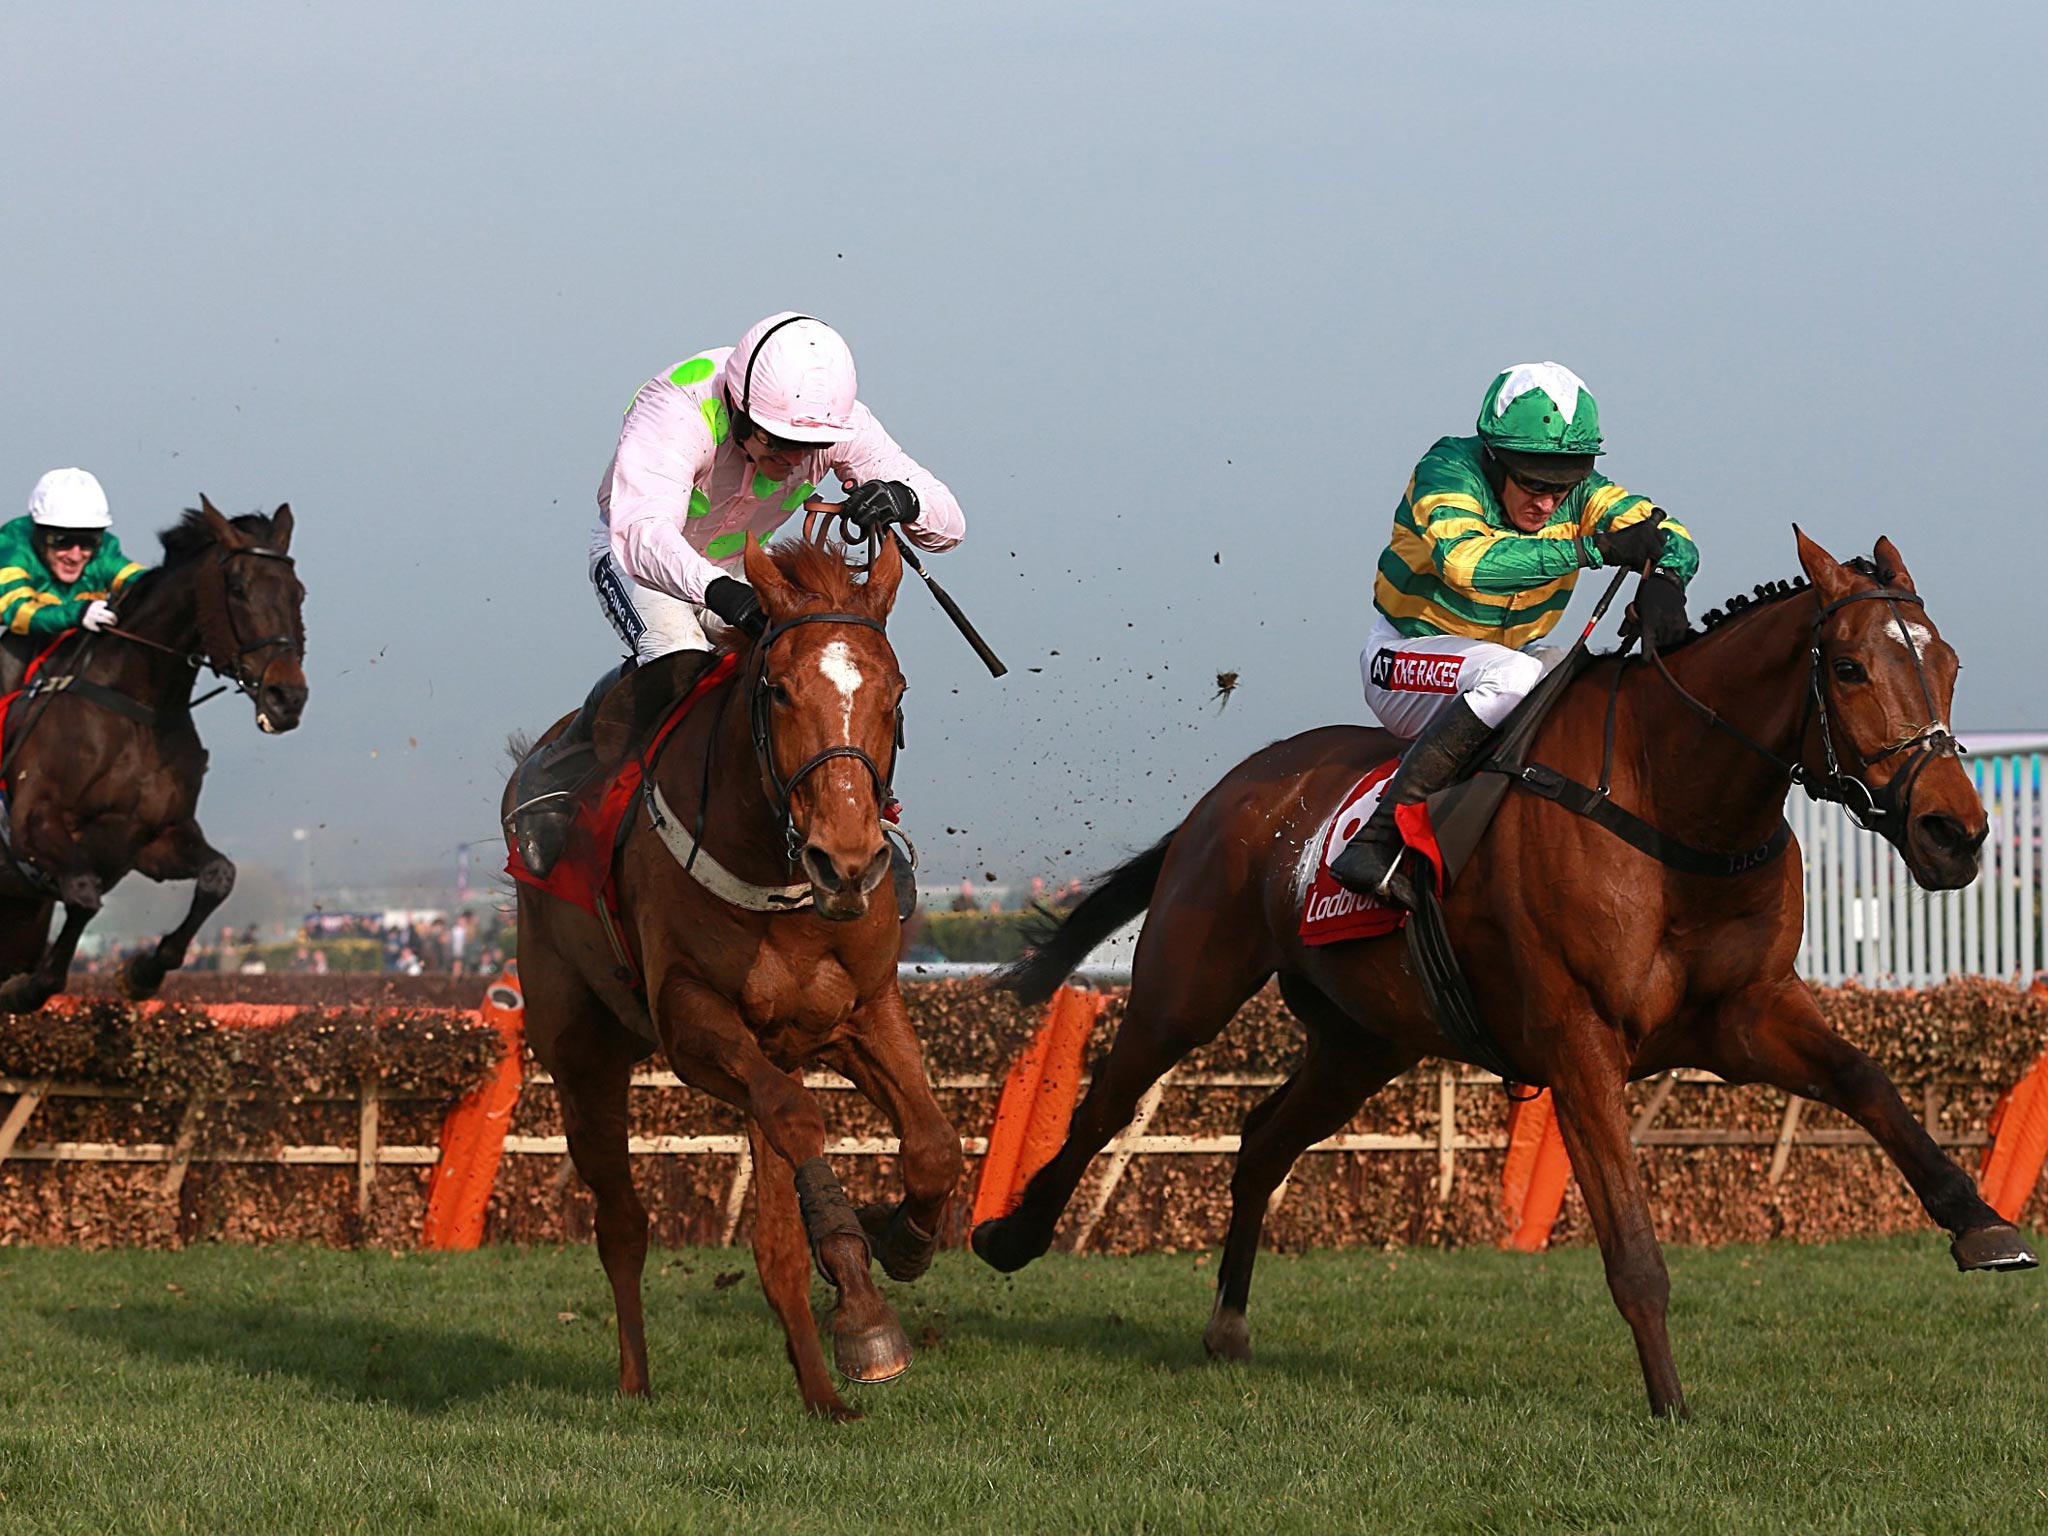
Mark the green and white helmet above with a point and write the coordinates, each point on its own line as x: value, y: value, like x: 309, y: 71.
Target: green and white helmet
x: 1541, y: 411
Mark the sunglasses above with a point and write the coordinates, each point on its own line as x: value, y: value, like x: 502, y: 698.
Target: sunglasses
x: 1542, y: 487
x: 69, y: 540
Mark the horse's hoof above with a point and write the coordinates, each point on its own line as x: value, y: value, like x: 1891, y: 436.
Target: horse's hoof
x: 24, y: 994
x: 138, y: 980
x: 1228, y: 1338
x: 1001, y: 1248
x: 1998, y: 1246
x: 898, y: 1244
x: 831, y: 1408
x: 872, y: 1356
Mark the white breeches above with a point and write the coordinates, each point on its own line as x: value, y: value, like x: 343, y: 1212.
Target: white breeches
x: 649, y: 620
x: 1407, y: 681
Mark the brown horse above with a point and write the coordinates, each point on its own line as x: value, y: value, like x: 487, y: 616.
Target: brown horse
x: 781, y: 771
x: 1592, y: 963
x: 103, y: 762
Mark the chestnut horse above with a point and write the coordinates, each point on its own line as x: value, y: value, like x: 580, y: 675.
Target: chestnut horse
x: 783, y: 769
x: 103, y: 763
x: 1593, y: 963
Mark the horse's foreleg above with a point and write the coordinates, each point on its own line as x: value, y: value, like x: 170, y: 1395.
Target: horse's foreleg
x: 180, y: 853
x: 882, y: 1057
x: 783, y: 1261
x: 1776, y: 1035
x: 711, y: 1048
x: 1587, y: 1078
x: 1341, y: 1069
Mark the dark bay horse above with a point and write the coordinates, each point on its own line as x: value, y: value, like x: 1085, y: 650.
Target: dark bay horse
x: 103, y: 763
x: 777, y: 778
x: 1593, y: 964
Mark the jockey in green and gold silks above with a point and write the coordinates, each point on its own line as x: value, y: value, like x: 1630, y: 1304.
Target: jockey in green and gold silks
x: 60, y: 565
x: 1488, y: 543
x: 1455, y: 566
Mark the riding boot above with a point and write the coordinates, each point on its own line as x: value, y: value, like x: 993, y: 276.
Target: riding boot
x: 544, y: 799
x: 1370, y: 863
x: 903, y: 876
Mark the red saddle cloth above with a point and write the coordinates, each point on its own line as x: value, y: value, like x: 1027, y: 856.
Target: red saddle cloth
x: 583, y: 874
x: 1329, y: 912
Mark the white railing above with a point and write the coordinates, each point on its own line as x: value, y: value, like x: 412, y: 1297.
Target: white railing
x: 1866, y: 921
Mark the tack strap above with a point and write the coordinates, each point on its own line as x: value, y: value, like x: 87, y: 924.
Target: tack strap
x: 1584, y: 800
x: 721, y: 882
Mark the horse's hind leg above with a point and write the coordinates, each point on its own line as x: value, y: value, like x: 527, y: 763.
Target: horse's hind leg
x: 1777, y: 1036
x: 782, y: 1258
x: 1586, y: 1080
x: 1341, y: 1069
x: 181, y: 853
x: 1191, y: 977
x: 592, y: 1059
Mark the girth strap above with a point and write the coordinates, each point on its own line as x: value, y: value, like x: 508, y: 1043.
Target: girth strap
x: 1584, y: 800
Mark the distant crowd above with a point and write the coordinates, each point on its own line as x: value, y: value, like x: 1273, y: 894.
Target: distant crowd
x: 402, y: 944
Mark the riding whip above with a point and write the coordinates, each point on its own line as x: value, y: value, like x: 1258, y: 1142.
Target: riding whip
x: 989, y: 658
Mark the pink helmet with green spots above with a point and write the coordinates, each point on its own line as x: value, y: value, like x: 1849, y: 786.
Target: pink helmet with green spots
x: 793, y: 376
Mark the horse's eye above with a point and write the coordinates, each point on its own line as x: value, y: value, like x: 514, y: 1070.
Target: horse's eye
x: 1850, y: 671
x: 237, y: 588
x: 778, y: 694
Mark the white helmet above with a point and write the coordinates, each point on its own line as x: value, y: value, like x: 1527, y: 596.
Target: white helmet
x: 69, y: 498
x: 793, y: 376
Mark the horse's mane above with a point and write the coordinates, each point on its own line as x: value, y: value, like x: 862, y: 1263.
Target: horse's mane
x: 1767, y: 593
x: 819, y: 569
x: 185, y: 541
x: 191, y: 535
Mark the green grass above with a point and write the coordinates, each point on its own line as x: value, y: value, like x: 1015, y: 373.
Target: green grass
x: 1864, y: 1387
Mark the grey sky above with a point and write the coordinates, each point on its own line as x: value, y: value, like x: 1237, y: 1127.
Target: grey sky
x: 1147, y: 285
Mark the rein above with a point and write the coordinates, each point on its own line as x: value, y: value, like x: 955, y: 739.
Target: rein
x: 235, y: 674
x: 1892, y: 802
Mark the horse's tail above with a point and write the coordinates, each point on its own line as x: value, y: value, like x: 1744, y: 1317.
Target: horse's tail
x: 1117, y: 898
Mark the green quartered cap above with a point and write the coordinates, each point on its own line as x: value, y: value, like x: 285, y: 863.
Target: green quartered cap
x: 1540, y: 408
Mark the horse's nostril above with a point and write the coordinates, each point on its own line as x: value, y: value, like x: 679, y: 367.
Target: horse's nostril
x: 818, y: 865
x: 1948, y: 834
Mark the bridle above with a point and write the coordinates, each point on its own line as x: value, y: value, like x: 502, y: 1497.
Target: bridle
x: 758, y: 709
x: 1885, y: 810
x: 235, y: 674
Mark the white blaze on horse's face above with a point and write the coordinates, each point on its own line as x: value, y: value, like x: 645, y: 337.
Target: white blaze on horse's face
x: 837, y: 663
x: 1915, y: 637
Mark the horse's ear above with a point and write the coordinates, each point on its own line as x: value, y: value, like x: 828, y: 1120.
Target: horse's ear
x: 1830, y: 578
x: 224, y: 531
x: 1887, y: 556
x: 281, y: 528
x: 885, y: 575
x: 779, y: 596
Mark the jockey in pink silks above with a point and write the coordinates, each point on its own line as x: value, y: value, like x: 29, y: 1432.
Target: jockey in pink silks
x: 726, y: 443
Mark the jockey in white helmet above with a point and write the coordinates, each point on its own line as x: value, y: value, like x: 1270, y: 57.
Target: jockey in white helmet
x: 726, y: 443
x: 60, y: 567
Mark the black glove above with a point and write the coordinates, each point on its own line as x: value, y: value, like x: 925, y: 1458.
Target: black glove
x: 1636, y: 545
x: 874, y: 504
x: 735, y: 602
x: 1659, y: 610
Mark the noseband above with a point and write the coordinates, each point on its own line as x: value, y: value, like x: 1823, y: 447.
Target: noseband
x: 1885, y: 810
x: 764, y: 744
